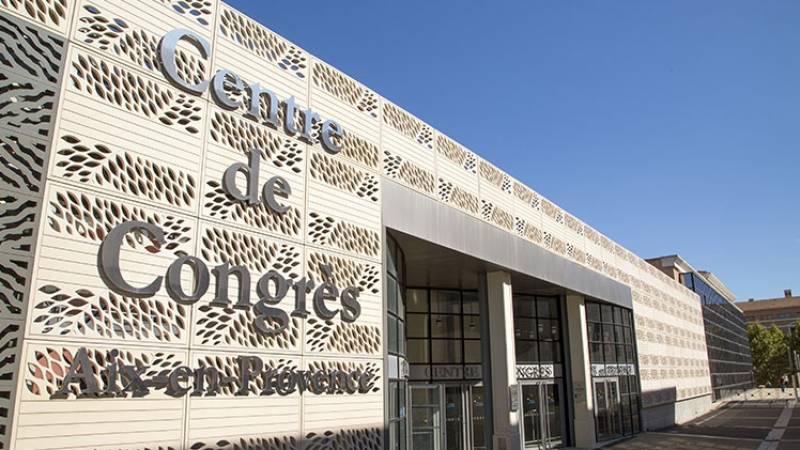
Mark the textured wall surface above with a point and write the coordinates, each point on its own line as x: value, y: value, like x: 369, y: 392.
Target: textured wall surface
x: 93, y: 135
x: 117, y: 142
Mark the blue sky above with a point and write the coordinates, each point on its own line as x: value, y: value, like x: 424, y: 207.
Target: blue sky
x: 670, y: 126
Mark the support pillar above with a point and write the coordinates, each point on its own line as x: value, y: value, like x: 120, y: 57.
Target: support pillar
x: 505, y: 393
x: 580, y: 365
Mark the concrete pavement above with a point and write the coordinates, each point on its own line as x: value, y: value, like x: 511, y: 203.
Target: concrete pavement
x: 750, y: 425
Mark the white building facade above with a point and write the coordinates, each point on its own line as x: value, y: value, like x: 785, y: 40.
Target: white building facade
x: 213, y: 239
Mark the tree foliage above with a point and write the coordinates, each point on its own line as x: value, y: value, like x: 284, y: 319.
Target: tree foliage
x: 794, y: 344
x: 770, y: 348
x: 794, y: 337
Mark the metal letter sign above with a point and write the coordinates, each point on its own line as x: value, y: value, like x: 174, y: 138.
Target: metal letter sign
x: 123, y: 380
x: 272, y: 287
x: 330, y: 133
x: 327, y: 299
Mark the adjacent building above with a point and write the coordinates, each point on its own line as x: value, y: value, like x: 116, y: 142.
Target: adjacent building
x: 212, y: 239
x: 729, y: 358
x: 782, y: 312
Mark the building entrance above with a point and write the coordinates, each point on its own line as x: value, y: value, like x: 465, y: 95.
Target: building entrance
x: 447, y: 417
x: 607, y: 402
x: 541, y: 403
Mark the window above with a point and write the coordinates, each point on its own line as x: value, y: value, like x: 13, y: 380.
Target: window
x: 397, y: 415
x: 537, y: 330
x: 395, y: 300
x: 396, y: 342
x: 611, y: 341
x: 443, y: 327
x: 729, y: 357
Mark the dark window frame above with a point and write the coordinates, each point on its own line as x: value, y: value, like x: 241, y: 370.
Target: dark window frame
x: 429, y: 339
x: 396, y: 280
x: 622, y: 318
x: 555, y: 317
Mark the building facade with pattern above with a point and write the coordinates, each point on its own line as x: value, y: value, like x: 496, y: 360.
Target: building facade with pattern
x: 212, y: 239
x: 729, y: 357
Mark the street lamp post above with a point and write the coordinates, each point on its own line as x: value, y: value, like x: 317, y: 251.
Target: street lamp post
x: 794, y: 364
x: 795, y: 367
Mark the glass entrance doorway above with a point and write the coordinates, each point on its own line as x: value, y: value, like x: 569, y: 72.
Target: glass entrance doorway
x: 541, y: 403
x: 447, y: 417
x: 606, y: 398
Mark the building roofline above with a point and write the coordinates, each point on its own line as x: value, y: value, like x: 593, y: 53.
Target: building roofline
x: 683, y: 266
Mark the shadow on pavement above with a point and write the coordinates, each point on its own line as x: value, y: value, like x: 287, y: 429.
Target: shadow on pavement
x: 737, y: 425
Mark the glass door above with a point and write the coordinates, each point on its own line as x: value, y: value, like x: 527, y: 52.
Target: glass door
x: 607, y: 407
x: 551, y: 395
x: 454, y: 423
x: 542, y: 424
x: 476, y: 402
x: 447, y: 417
x: 531, y: 403
x: 426, y: 417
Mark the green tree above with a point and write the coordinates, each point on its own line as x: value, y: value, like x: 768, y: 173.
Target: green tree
x: 794, y: 337
x: 770, y: 348
x: 794, y: 340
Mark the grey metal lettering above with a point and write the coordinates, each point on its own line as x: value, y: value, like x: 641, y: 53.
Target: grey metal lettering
x: 222, y: 79
x: 333, y: 377
x: 268, y: 379
x: 110, y: 372
x: 201, y: 280
x: 179, y: 375
x: 301, y: 380
x: 309, y: 118
x: 282, y: 286
x: 167, y: 48
x: 250, y: 172
x: 289, y: 125
x: 301, y: 288
x: 249, y: 366
x: 317, y: 383
x: 331, y: 130
x: 325, y: 291
x: 80, y: 371
x: 202, y: 374
x: 351, y: 308
x: 267, y: 313
x: 365, y: 382
x: 276, y: 187
x: 222, y: 275
x: 286, y: 382
x: 257, y: 93
x: 341, y: 381
x: 135, y: 383
x: 350, y: 385
x: 207, y: 380
x: 108, y: 258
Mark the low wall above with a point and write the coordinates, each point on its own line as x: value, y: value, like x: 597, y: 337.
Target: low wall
x: 764, y: 394
x: 669, y: 414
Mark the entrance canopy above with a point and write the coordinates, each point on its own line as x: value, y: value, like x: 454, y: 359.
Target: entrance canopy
x: 431, y: 265
x: 464, y: 247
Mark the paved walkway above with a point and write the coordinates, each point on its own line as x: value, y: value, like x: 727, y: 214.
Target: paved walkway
x: 764, y: 425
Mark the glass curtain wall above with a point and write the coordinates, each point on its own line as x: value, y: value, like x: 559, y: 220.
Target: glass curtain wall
x: 729, y: 358
x: 539, y: 352
x: 537, y: 331
x: 615, y: 380
x: 444, y: 353
x: 396, y: 343
x: 444, y: 334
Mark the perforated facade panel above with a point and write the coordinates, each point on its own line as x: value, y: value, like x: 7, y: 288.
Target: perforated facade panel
x: 92, y: 135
